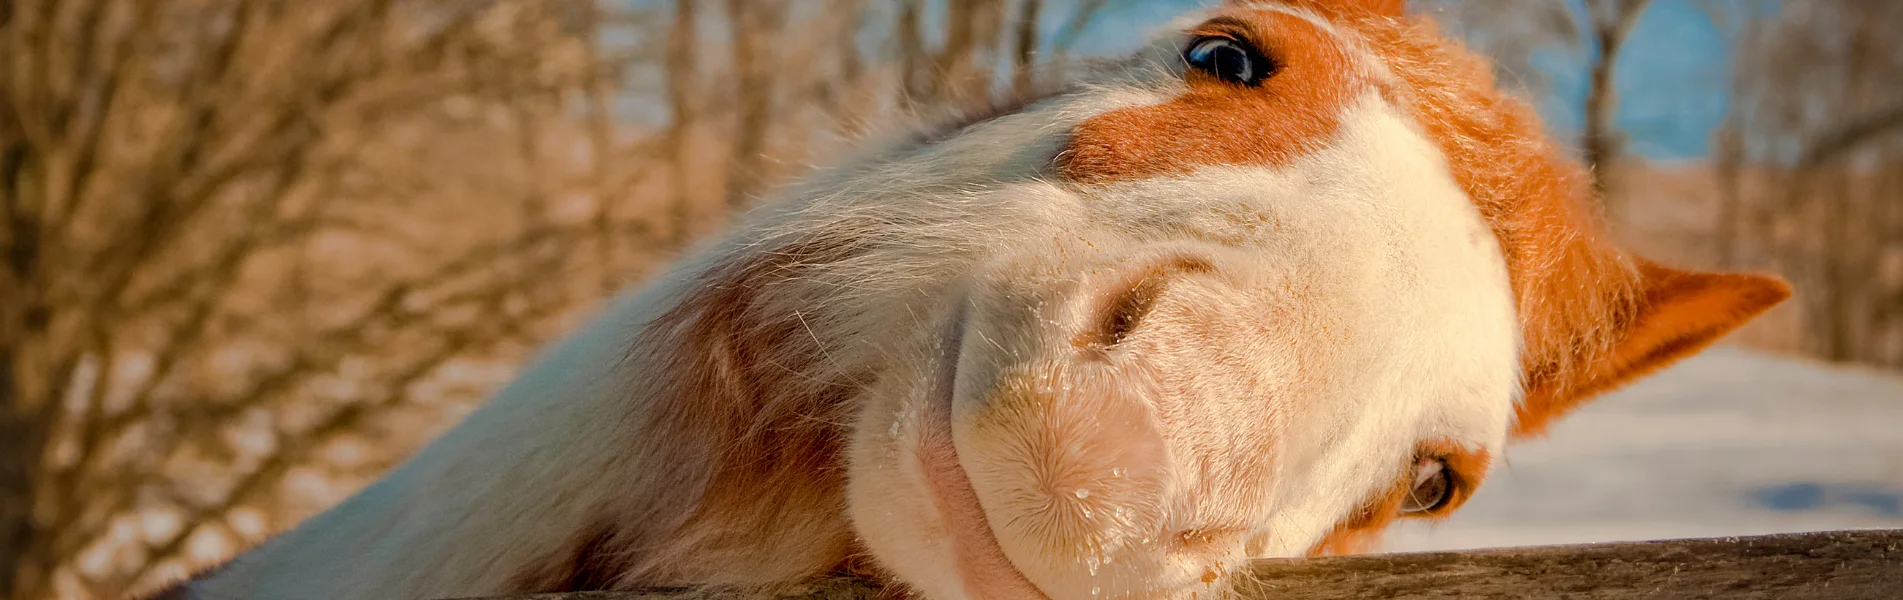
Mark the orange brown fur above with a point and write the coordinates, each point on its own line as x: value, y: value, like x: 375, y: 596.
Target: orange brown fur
x: 746, y: 380
x: 1353, y: 8
x: 1293, y: 112
x: 740, y: 398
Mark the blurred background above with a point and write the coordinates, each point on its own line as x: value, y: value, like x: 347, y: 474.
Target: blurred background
x: 253, y: 252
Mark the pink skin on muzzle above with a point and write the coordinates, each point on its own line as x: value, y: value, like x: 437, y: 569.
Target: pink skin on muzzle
x: 988, y: 574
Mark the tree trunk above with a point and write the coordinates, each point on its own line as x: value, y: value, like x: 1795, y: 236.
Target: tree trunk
x: 751, y: 21
x: 1842, y: 280
x: 683, y: 41
x: 1601, y: 138
x: 915, y: 76
x: 22, y: 432
x: 24, y: 425
x: 22, y: 447
x: 1730, y: 171
x: 972, y: 28
x: 1024, y: 56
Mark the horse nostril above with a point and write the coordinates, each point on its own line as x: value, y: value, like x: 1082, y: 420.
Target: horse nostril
x: 1126, y: 309
x: 1122, y: 307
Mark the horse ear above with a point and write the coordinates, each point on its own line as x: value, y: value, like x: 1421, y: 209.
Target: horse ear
x: 1677, y: 313
x: 1385, y: 8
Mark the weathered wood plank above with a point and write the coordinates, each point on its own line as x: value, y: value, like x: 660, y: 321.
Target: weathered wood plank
x: 1833, y: 565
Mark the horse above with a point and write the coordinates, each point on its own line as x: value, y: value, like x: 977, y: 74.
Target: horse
x: 1292, y: 272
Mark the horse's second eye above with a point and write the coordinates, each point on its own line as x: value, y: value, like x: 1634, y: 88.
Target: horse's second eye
x: 1228, y: 59
x: 1431, y: 490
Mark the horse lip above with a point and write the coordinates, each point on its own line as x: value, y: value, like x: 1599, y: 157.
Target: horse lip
x: 987, y: 572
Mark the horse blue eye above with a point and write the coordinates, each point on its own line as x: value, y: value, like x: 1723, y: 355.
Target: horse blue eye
x: 1227, y: 59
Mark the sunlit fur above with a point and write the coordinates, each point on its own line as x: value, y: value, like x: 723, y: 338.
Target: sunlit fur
x: 1108, y: 344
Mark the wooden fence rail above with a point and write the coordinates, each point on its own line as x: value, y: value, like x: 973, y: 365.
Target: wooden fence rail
x: 1835, y: 565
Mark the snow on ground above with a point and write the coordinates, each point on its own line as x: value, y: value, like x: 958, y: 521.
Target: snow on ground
x: 1730, y: 442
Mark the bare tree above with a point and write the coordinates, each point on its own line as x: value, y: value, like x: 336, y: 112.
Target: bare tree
x: 176, y: 178
x: 755, y: 24
x: 1611, y: 23
x: 1024, y: 49
x: 253, y: 252
x: 685, y: 102
x: 1817, y: 128
x: 1512, y: 32
x: 1805, y: 163
x: 1728, y: 160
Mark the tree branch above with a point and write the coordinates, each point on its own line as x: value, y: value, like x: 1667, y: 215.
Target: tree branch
x: 1851, y: 134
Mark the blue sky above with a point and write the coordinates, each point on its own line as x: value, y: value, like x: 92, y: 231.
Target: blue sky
x: 1672, y: 75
